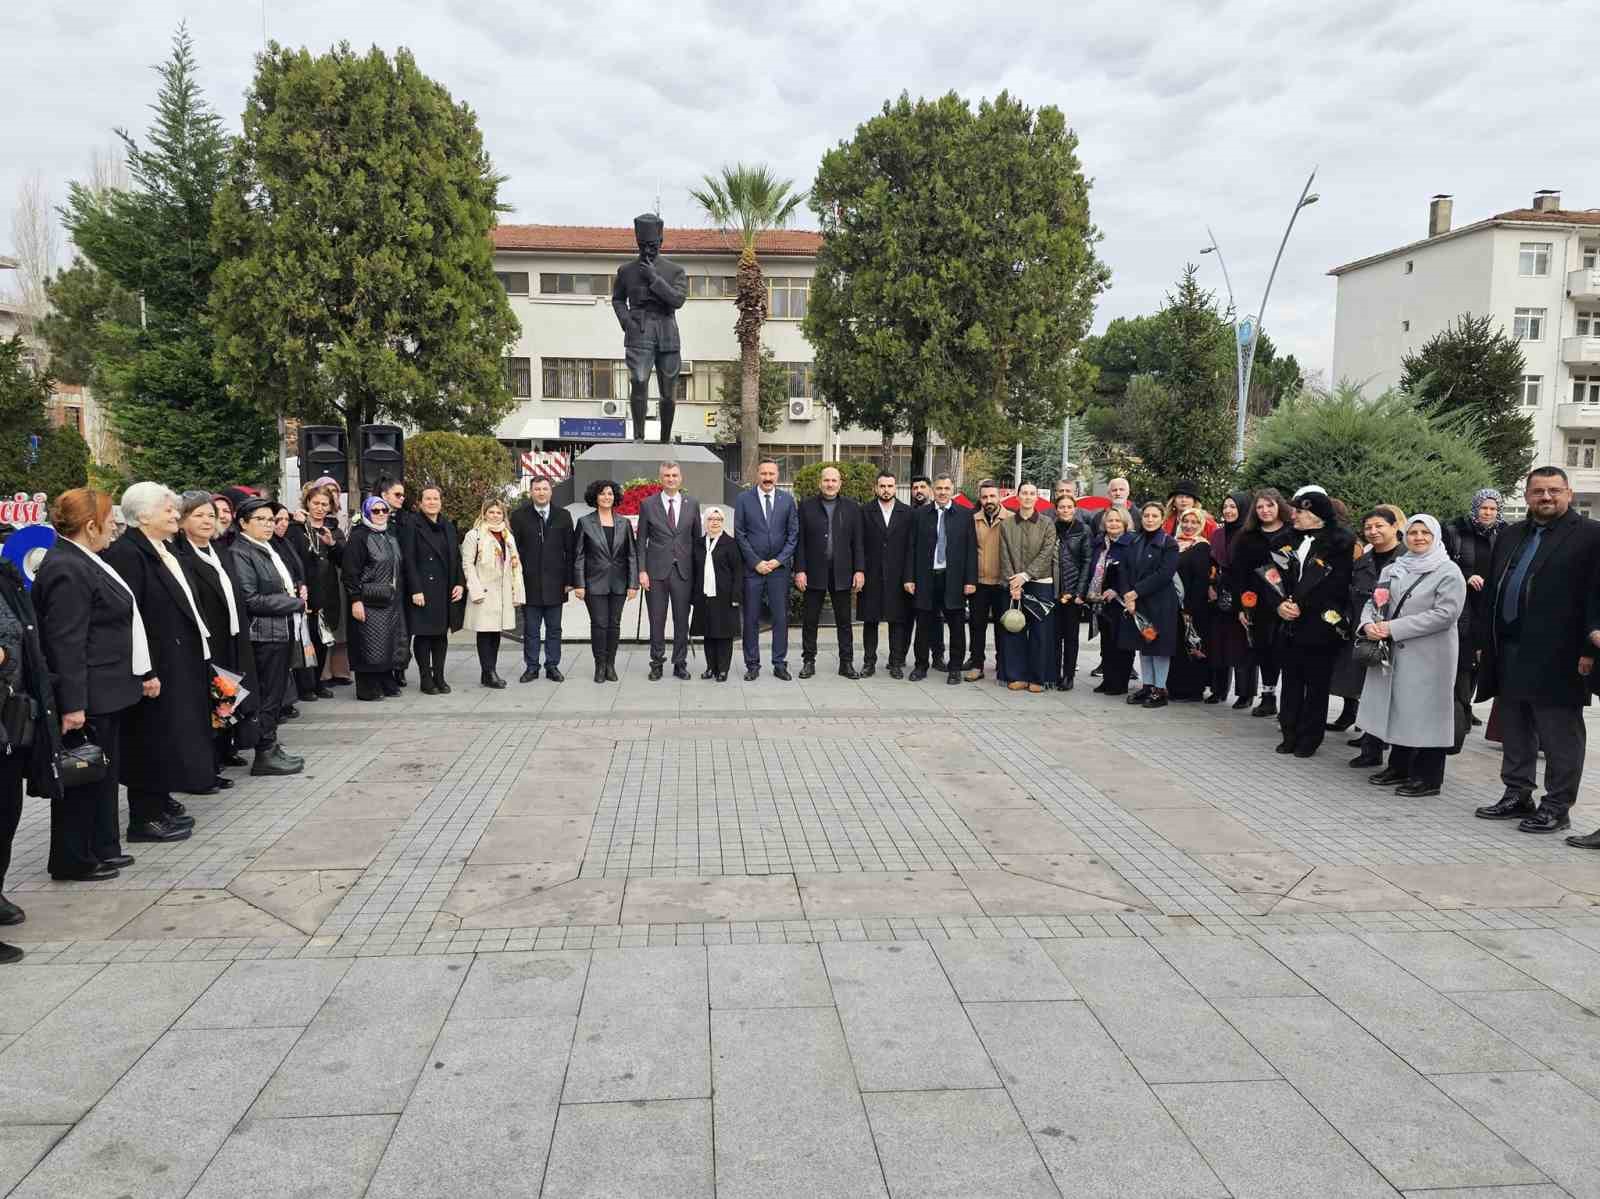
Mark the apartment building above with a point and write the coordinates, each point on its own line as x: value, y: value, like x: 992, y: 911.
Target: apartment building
x: 1536, y: 270
x: 567, y: 370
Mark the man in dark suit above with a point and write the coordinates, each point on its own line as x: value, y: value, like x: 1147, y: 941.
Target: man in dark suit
x: 941, y: 570
x: 885, y: 534
x: 543, y: 533
x: 1541, y: 654
x: 921, y: 497
x: 829, y: 563
x: 767, y: 530
x: 669, y: 522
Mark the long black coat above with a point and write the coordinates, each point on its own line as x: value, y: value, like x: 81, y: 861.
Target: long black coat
x: 229, y: 652
x: 810, y: 553
x: 432, y: 555
x: 1253, y: 548
x: 1473, y: 552
x: 86, y: 626
x: 1152, y: 563
x: 960, y: 557
x: 320, y: 563
x: 1348, y: 677
x: 1559, y: 607
x: 717, y: 616
x: 33, y: 679
x: 1319, y: 586
x: 546, y: 552
x: 883, y: 554
x: 167, y: 740
x: 372, y: 560
x: 1073, y: 552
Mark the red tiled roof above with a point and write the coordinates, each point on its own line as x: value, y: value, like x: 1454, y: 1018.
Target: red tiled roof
x: 1560, y: 216
x: 590, y: 239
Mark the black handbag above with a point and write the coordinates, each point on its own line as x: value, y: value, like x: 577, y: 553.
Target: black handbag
x: 80, y: 762
x: 377, y: 595
x: 19, y: 717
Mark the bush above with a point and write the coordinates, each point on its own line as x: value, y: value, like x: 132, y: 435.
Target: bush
x: 467, y: 469
x: 1367, y: 452
x: 858, y: 479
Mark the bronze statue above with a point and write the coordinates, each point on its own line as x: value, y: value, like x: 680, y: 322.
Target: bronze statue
x: 648, y: 293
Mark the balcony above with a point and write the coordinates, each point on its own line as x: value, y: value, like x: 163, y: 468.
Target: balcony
x: 1578, y: 416
x: 1584, y: 284
x: 1580, y: 351
x: 1585, y: 481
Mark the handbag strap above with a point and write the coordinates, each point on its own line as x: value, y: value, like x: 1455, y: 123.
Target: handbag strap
x: 1406, y: 594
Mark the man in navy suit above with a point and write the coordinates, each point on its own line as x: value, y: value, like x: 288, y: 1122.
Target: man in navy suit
x: 767, y: 530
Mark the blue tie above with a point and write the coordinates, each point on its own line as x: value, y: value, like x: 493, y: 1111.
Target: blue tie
x: 1511, y: 598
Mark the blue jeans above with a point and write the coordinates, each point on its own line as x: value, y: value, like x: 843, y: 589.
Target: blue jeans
x: 533, y: 615
x: 1153, y: 670
x: 775, y: 587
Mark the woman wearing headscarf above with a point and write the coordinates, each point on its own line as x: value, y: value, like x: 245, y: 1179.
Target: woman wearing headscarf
x: 493, y: 571
x: 277, y: 615
x: 1227, y: 648
x: 1073, y: 551
x: 718, y: 583
x: 1316, y: 588
x: 1112, y: 550
x: 1151, y: 617
x: 1415, y: 609
x: 319, y: 543
x: 1267, y: 539
x: 1469, y: 540
x: 1028, y: 569
x: 372, y: 587
x: 1186, y: 681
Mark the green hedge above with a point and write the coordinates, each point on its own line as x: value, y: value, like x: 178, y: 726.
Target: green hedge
x: 468, y: 470
x: 858, y: 477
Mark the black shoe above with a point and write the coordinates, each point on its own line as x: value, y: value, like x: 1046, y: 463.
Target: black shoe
x: 1214, y: 698
x: 918, y: 673
x: 807, y: 668
x: 400, y: 678
x: 97, y: 873
x: 1267, y: 707
x: 1157, y: 700
x: 939, y: 663
x: 121, y: 862
x: 554, y: 675
x: 611, y: 670
x: 1102, y: 688
x: 655, y: 671
x: 1340, y: 725
x: 868, y: 668
x: 159, y: 830
x: 531, y: 675
x: 1356, y: 742
x: 492, y: 680
x: 897, y: 672
x: 680, y: 671
x: 1283, y: 747
x: 599, y: 672
x: 1511, y: 806
x: 235, y: 759
x: 220, y: 783
x: 427, y: 685
x: 1064, y: 685
x: 722, y: 676
x: 371, y: 697
x: 339, y: 680
x: 1388, y: 778
x: 752, y: 673
x: 1417, y: 790
x: 1139, y: 696
x: 1117, y: 691
x: 1097, y: 672
x: 439, y: 685
x: 275, y: 762
x: 306, y: 697
x: 1242, y: 703
x: 847, y: 671
x: 1591, y: 841
x: 391, y: 689
x: 172, y: 807
x: 782, y: 673
x: 180, y: 821
x: 289, y: 713
x: 1365, y: 761
x: 322, y: 692
x: 953, y: 678
x: 10, y: 913
x: 9, y: 954
x: 708, y: 673
x: 1545, y: 820
x: 1476, y: 721
x: 1305, y: 753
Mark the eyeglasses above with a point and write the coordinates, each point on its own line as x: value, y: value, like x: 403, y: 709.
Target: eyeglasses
x: 1539, y: 493
x: 380, y: 512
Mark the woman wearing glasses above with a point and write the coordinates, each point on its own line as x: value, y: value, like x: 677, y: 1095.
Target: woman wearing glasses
x: 377, y: 627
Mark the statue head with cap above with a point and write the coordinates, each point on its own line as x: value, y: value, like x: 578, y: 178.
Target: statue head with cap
x: 647, y: 231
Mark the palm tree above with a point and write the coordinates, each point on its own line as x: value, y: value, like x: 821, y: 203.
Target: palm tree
x: 747, y: 201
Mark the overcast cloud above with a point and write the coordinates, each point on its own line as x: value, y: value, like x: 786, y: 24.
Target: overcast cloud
x: 1188, y: 113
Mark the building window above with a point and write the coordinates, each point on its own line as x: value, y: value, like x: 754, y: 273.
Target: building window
x: 1533, y: 259
x: 1586, y: 389
x: 787, y: 297
x: 790, y: 458
x: 519, y: 377
x: 1409, y: 266
x: 574, y: 285
x: 713, y: 287
x: 515, y: 282
x: 1527, y: 324
x: 1591, y: 257
x: 799, y: 379
x: 582, y: 378
x: 1588, y: 323
x: 1581, y: 452
x: 1532, y: 385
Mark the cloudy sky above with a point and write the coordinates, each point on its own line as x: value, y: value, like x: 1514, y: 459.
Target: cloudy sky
x: 1189, y: 114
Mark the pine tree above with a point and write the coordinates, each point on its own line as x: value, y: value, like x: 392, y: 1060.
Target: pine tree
x: 1470, y: 376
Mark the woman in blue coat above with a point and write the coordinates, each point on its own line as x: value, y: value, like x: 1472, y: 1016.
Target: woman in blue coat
x: 1150, y: 615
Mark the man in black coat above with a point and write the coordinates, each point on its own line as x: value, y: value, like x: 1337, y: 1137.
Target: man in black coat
x: 941, y: 570
x: 885, y: 536
x: 393, y: 492
x: 543, y: 533
x: 1541, y: 654
x: 829, y: 561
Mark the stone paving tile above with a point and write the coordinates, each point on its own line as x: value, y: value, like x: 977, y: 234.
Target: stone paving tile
x: 512, y: 985
x: 956, y: 1145
x: 1448, y: 962
x: 21, y: 1147
x: 1560, y: 1140
x: 761, y: 976
x: 1557, y: 961
x: 1229, y: 967
x: 331, y: 1157
x: 263, y: 994
x: 925, y: 893
x: 28, y: 993
x: 81, y: 913
x: 1006, y: 971
x: 660, y: 1149
x: 1558, y: 1032
x: 703, y: 900
x: 642, y: 1031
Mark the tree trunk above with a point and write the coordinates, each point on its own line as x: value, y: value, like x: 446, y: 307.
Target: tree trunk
x: 919, y: 446
x: 886, y: 453
x: 751, y: 300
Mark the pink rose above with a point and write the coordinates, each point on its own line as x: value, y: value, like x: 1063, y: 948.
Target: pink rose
x: 1380, y: 597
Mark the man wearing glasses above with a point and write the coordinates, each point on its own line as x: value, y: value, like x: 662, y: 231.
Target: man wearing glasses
x: 1546, y: 629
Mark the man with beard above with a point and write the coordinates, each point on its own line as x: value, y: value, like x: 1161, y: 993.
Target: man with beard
x: 885, y: 533
x: 941, y: 571
x: 991, y: 599
x: 922, y: 494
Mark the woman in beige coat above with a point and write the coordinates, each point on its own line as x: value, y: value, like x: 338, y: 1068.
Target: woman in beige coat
x: 494, y: 585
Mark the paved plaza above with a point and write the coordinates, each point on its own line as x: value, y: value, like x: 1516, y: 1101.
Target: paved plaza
x: 829, y: 938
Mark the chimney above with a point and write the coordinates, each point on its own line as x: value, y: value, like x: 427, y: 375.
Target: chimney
x: 1439, y: 215
x: 1547, y: 200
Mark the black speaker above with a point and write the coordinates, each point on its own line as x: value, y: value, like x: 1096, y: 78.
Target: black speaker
x: 324, y: 451
x: 381, y: 450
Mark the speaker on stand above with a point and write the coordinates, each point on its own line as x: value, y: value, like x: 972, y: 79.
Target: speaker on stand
x: 324, y: 451
x: 380, y: 450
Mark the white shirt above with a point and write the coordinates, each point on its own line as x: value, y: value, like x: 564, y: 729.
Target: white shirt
x: 888, y: 512
x: 708, y: 582
x: 544, y: 513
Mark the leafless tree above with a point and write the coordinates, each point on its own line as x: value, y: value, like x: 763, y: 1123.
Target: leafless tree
x: 37, y: 244
x: 108, y: 170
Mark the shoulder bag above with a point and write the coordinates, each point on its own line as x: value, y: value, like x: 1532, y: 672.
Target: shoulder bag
x: 19, y: 715
x: 1380, y: 653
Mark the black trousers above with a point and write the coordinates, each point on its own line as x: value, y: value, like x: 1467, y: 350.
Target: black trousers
x: 1558, y: 730
x: 1242, y: 676
x: 272, y: 669
x: 1422, y: 764
x: 984, y: 609
x: 84, y: 824
x: 488, y: 652
x: 1466, y: 687
x: 605, y: 625
x: 839, y: 601
x: 898, y: 640
x: 307, y: 678
x: 10, y: 808
x: 719, y: 654
x: 1307, y: 674
x: 665, y: 589
x: 1068, y: 618
x: 429, y: 649
x: 1267, y: 655
x: 932, y: 622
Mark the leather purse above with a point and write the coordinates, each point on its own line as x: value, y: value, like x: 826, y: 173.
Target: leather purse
x: 19, y: 717
x: 80, y: 762
x: 377, y: 595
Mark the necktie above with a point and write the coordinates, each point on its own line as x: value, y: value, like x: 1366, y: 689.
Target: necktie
x: 938, y: 541
x: 766, y: 502
x: 1511, y: 598
x: 672, y: 513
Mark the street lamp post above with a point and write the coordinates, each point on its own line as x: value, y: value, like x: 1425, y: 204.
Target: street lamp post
x: 1247, y: 329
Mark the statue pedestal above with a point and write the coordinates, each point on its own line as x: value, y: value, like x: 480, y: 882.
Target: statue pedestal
x: 623, y: 460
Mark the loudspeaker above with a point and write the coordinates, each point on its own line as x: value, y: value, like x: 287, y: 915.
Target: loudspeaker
x: 323, y: 451
x: 381, y: 450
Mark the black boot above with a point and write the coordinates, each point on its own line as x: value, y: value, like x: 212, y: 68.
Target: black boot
x: 426, y: 680
x: 1268, y: 705
x: 599, y: 669
x: 492, y: 680
x: 611, y: 665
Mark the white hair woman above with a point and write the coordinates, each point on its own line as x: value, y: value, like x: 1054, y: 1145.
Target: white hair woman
x: 166, y: 737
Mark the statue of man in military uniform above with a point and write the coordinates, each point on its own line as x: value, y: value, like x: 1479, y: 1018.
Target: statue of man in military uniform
x: 648, y: 293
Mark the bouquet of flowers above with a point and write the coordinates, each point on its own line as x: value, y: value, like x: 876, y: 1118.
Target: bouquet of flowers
x: 636, y: 492
x: 227, y: 694
x: 1148, y: 631
x: 1272, y: 576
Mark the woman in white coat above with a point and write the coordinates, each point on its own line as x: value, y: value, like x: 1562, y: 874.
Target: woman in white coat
x: 1408, y: 701
x: 494, y: 585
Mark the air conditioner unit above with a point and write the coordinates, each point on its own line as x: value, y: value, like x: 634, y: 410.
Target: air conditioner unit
x: 802, y: 409
x: 613, y: 408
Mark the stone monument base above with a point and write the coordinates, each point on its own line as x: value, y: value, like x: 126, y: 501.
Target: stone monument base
x: 623, y: 460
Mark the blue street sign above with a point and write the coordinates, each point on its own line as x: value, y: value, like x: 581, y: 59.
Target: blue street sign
x: 592, y: 428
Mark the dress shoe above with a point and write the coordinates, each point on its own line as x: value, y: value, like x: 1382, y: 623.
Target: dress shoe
x: 427, y: 687
x: 752, y: 673
x: 708, y: 673
x: 807, y: 669
x: 235, y: 759
x: 9, y: 954
x: 1283, y: 747
x: 918, y: 673
x: 847, y: 671
x: 1065, y: 684
x: 10, y: 913
x: 1592, y: 841
x: 531, y: 675
x: 97, y: 873
x: 781, y: 673
x: 897, y: 672
x: 171, y: 807
x: 339, y: 680
x: 306, y: 697
x: 1214, y: 698
x: 492, y: 681
x: 220, y: 783
x: 157, y: 830
x: 680, y: 671
x: 371, y: 698
x: 1511, y: 806
x: 289, y: 713
x: 1340, y: 725
x: 180, y: 821
x: 323, y: 692
x: 868, y: 668
x: 939, y: 663
x: 1117, y: 691
x: 953, y: 678
x: 972, y: 674
x: 1102, y: 687
x: 1365, y: 761
x: 655, y: 671
x: 1305, y: 753
x: 1545, y: 820
x: 554, y: 674
x: 121, y: 862
x: 1267, y: 707
x: 722, y: 676
x: 1139, y: 696
x: 1243, y: 702
x: 1356, y: 742
x: 442, y: 687
x: 1016, y: 685
x: 1388, y: 778
x: 275, y: 762
x: 1416, y: 790
x: 1158, y: 699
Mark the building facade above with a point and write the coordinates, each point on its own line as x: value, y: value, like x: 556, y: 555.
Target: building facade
x: 567, y: 370
x: 1536, y: 271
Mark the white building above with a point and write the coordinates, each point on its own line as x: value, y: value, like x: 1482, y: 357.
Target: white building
x: 1536, y: 271
x: 567, y: 367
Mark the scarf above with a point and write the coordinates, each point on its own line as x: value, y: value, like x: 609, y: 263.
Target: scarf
x: 209, y: 557
x: 1478, y: 496
x: 371, y: 502
x: 1222, y: 547
x: 142, y: 662
x: 175, y: 569
x: 1411, y: 563
x: 708, y: 582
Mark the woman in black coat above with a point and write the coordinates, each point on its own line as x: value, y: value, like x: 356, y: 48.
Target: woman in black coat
x: 605, y: 569
x: 1148, y: 591
x: 98, y: 657
x: 714, y: 595
x: 1227, y: 648
x: 373, y: 577
x: 1191, y: 670
x: 1267, y: 537
x: 1380, y: 531
x: 1315, y: 625
x: 319, y: 543
x: 1470, y: 541
x: 1073, y: 551
x: 167, y: 742
x: 1112, y: 547
x: 434, y: 580
x: 266, y: 581
x: 222, y: 608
